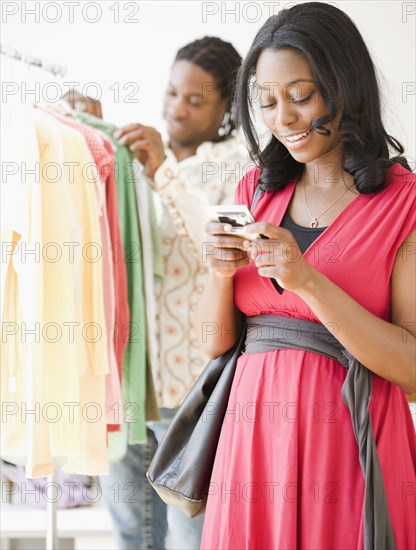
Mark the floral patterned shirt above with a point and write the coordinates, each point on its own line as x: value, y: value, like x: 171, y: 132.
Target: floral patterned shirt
x: 184, y: 189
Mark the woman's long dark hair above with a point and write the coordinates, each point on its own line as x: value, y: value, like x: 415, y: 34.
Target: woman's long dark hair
x: 345, y: 77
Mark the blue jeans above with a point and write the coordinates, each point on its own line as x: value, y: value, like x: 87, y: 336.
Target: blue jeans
x: 140, y: 517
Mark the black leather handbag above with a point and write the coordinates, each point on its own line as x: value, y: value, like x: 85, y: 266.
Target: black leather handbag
x: 181, y: 468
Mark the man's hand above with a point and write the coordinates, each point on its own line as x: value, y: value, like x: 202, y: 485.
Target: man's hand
x: 147, y: 141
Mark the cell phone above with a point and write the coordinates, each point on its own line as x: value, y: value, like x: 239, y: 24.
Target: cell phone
x: 236, y: 215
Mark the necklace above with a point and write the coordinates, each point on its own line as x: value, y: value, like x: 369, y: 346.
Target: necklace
x: 314, y: 219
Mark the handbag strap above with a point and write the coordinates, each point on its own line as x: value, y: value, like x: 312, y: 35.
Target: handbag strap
x: 257, y: 194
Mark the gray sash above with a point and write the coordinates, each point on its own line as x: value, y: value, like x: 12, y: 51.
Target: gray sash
x: 271, y: 332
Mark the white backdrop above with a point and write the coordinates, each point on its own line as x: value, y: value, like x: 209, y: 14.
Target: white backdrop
x: 121, y: 51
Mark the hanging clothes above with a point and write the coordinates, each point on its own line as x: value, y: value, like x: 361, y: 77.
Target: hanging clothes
x: 136, y: 384
x: 103, y: 156
x: 58, y: 376
x: 152, y: 274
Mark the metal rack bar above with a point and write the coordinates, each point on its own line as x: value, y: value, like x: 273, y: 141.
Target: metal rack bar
x: 27, y: 58
x: 51, y: 527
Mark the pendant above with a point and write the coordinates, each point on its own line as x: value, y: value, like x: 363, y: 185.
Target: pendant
x: 314, y: 223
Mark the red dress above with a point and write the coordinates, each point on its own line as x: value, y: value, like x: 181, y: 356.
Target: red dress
x: 286, y: 474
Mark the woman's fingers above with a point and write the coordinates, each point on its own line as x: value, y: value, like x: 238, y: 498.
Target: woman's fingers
x: 215, y: 228
x: 218, y: 264
x: 224, y: 253
x: 277, y: 256
x: 274, y: 252
x: 226, y: 242
x: 269, y: 230
x: 219, y: 232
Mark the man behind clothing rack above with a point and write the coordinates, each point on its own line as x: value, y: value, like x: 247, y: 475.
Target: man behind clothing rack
x: 201, y: 165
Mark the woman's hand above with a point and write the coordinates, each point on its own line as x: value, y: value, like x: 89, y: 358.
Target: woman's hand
x: 147, y: 141
x: 225, y: 253
x: 279, y: 256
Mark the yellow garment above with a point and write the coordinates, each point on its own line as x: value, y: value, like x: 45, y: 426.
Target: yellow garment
x: 22, y: 353
x: 61, y: 296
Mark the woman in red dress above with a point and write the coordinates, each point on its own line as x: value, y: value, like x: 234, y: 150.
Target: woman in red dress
x: 301, y: 464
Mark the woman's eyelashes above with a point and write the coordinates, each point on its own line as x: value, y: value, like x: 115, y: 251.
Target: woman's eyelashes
x: 271, y: 103
x: 267, y: 105
x: 300, y: 100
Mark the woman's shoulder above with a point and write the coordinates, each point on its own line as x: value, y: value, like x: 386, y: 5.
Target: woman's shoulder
x: 400, y: 193
x: 400, y: 178
x: 396, y: 204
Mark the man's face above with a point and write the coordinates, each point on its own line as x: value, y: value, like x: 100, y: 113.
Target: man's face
x: 192, y: 107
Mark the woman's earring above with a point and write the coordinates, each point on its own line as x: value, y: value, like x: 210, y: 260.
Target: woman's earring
x: 225, y: 127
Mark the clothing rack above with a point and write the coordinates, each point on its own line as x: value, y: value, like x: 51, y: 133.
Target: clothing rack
x: 9, y: 51
x: 51, y: 527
